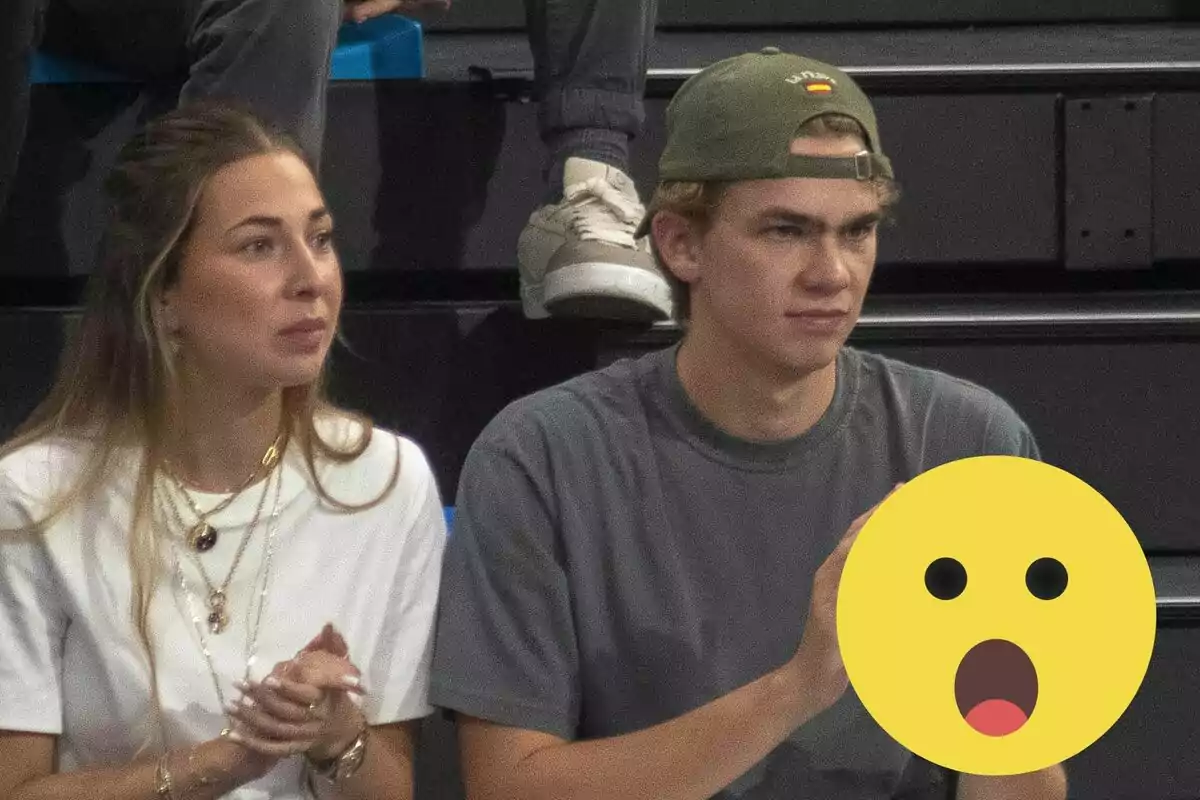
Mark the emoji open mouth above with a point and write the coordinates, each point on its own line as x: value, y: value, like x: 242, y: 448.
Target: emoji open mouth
x: 996, y: 687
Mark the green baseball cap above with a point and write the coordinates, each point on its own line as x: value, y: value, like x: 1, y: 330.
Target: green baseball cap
x: 736, y: 119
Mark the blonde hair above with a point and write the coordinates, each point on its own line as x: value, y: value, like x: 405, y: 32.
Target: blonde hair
x: 117, y: 369
x: 698, y: 201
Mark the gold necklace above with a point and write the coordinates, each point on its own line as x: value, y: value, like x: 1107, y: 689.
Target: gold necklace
x: 252, y: 632
x: 218, y: 617
x: 202, y: 536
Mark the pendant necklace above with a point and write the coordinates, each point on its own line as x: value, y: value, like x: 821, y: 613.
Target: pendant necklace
x: 202, y: 536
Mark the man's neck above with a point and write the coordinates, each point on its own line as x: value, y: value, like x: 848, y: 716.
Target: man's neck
x: 750, y: 400
x: 218, y: 438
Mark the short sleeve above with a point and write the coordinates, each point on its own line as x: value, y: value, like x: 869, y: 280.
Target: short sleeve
x: 506, y: 647
x: 1009, y: 435
x: 397, y: 676
x: 923, y: 780
x: 32, y: 625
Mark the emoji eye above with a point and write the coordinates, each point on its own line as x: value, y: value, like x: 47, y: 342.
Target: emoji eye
x: 946, y: 579
x: 1046, y: 578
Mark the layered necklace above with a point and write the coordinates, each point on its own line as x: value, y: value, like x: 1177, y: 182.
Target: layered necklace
x: 202, y: 536
x: 218, y: 619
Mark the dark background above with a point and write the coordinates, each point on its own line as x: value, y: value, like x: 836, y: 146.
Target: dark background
x: 500, y: 14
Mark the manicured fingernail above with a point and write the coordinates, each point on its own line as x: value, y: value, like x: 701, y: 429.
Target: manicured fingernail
x: 241, y: 685
x: 272, y: 681
x: 351, y: 681
x: 247, y: 702
x: 234, y: 736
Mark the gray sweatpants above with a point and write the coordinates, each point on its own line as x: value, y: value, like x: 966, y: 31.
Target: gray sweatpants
x: 18, y: 30
x: 590, y: 64
x: 270, y: 55
x: 273, y: 55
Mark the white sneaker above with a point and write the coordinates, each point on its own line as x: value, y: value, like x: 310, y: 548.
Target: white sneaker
x: 580, y: 258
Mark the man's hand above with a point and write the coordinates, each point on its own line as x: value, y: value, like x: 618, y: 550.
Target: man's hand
x: 818, y: 657
x: 363, y: 10
x: 1046, y: 784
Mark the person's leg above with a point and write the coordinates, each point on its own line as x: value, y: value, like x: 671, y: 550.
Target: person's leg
x: 578, y: 254
x: 590, y: 71
x: 271, y: 57
x: 139, y: 38
x: 18, y: 36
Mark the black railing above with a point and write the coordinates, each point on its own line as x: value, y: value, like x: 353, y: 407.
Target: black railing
x: 936, y: 78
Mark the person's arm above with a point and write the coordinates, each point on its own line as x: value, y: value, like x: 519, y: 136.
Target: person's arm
x: 33, y: 626
x: 1006, y: 433
x: 304, y: 708
x: 205, y: 772
x: 688, y: 758
x: 363, y: 10
x: 387, y: 767
x: 1046, y: 784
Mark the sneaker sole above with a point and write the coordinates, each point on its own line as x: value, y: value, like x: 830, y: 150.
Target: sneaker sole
x: 531, y: 300
x: 607, y: 291
x: 535, y: 247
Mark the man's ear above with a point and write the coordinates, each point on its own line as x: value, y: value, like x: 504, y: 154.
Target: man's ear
x: 678, y: 243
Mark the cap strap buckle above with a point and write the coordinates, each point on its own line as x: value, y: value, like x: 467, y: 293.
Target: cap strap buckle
x: 864, y: 166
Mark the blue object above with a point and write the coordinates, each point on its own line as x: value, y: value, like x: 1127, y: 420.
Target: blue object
x: 45, y: 68
x: 384, y: 48
x: 388, y: 47
x: 449, y: 517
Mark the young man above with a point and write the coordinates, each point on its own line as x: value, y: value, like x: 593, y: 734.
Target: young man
x: 640, y: 590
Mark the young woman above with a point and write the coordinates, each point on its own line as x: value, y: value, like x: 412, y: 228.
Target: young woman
x: 212, y: 582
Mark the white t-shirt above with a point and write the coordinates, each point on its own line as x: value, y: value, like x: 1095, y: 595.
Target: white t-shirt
x: 71, y: 662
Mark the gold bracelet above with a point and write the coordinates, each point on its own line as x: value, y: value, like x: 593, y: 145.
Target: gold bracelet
x: 342, y: 767
x: 162, y: 778
x: 352, y: 760
x: 199, y: 779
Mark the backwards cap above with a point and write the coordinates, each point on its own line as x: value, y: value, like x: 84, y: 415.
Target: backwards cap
x: 736, y: 119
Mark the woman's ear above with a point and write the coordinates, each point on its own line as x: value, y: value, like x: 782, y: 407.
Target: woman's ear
x: 678, y: 243
x: 166, y: 314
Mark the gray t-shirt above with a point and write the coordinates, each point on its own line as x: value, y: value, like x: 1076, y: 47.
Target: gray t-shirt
x: 617, y: 560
